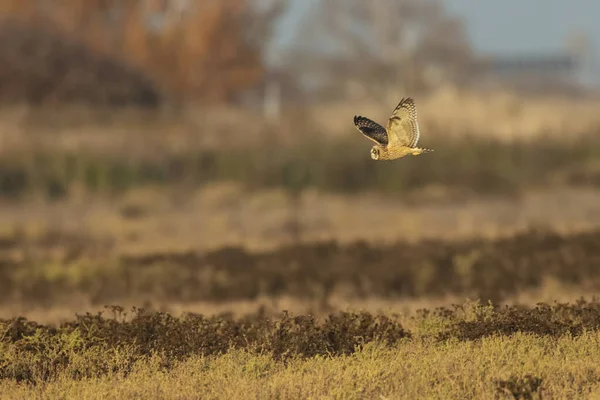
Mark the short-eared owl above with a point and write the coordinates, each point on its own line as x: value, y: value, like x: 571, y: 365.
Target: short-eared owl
x: 399, y: 138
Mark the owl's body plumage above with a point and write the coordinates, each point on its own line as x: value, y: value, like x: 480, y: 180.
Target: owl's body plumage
x: 400, y: 136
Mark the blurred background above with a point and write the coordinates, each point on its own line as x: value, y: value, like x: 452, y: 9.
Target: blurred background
x: 201, y: 155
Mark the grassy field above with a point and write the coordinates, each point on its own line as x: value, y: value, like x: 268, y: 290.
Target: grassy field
x: 470, y: 351
x: 497, y: 367
x: 289, y: 265
x: 154, y: 220
x: 363, y: 321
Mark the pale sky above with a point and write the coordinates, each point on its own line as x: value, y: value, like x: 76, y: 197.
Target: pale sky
x: 526, y: 25
x: 508, y: 26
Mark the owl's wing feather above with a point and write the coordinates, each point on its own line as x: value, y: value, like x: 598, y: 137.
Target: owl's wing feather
x: 403, y: 123
x: 372, y: 130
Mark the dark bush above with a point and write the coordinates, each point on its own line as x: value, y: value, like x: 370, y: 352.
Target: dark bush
x: 93, y: 345
x: 479, y: 269
x: 35, y: 348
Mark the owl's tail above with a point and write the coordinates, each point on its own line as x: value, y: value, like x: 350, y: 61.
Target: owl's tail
x: 426, y: 150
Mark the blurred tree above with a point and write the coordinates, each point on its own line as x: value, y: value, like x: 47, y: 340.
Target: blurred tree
x: 195, y: 50
x: 370, y: 47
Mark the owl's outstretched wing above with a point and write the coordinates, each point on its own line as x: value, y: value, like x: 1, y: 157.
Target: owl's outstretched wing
x: 372, y: 130
x: 403, y: 123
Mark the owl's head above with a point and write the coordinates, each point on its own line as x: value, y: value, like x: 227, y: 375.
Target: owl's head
x: 375, y: 153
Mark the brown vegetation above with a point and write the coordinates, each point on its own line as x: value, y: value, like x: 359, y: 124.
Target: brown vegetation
x: 40, y: 66
x: 314, y: 272
x: 62, y: 51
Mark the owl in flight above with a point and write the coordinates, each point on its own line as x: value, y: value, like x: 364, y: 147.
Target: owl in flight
x: 400, y: 136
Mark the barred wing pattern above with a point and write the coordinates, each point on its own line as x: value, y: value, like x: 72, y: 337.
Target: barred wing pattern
x: 372, y: 130
x: 403, y: 123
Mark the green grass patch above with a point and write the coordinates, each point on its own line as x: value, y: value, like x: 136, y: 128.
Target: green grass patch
x: 333, y: 165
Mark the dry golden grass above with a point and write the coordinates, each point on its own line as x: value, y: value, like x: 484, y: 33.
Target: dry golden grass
x: 566, y: 367
x: 473, y: 351
x: 224, y: 214
x: 454, y: 112
x: 448, y: 112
